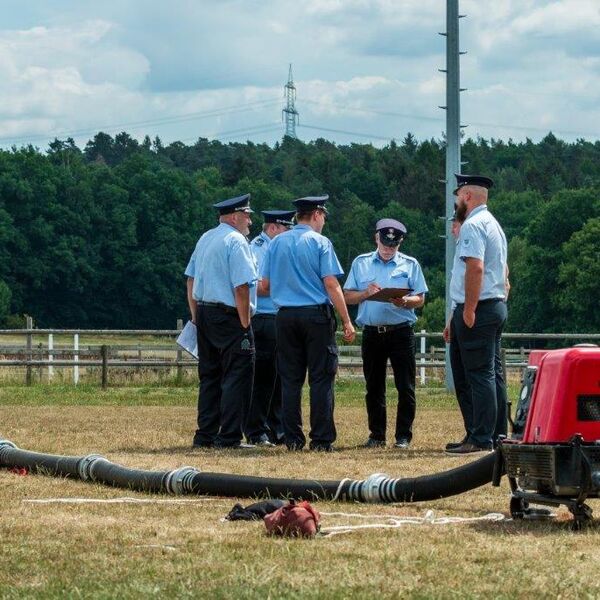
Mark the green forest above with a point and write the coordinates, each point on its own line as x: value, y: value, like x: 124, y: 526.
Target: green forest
x: 100, y: 236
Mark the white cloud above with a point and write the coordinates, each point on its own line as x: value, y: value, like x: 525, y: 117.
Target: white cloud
x: 531, y: 65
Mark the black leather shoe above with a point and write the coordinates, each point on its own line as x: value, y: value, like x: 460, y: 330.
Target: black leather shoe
x: 468, y: 448
x: 238, y: 446
x: 264, y: 444
x: 371, y: 443
x: 202, y: 444
x: 402, y: 443
x: 262, y: 441
x: 321, y: 447
x: 451, y: 445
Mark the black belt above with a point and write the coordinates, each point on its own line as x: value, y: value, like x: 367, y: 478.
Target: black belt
x: 486, y: 301
x: 384, y: 328
x: 220, y: 305
x: 307, y: 307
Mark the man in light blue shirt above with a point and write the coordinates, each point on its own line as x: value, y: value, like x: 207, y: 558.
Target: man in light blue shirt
x: 387, y: 327
x: 478, y: 290
x: 221, y: 291
x: 264, y: 426
x: 300, y: 272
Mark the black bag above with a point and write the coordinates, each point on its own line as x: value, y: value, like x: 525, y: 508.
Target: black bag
x: 254, y: 512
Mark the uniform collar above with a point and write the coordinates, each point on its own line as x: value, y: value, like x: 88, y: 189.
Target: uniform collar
x: 264, y: 236
x: 303, y: 226
x: 395, y: 259
x: 228, y: 226
x: 479, y: 209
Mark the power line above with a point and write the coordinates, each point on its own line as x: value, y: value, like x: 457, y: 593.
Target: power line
x: 234, y: 132
x: 267, y: 130
x: 376, y: 111
x: 149, y: 122
x: 357, y: 134
x: 523, y: 128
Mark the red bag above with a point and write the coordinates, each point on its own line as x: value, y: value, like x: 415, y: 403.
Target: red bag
x: 296, y: 519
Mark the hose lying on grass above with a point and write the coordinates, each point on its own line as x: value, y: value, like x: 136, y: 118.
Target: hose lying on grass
x: 188, y: 480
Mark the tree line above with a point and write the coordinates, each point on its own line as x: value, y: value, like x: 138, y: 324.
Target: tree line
x: 100, y: 236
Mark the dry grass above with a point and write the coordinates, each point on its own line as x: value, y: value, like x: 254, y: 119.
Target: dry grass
x: 183, y: 550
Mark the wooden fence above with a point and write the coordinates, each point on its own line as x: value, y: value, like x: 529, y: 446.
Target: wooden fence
x: 45, y: 350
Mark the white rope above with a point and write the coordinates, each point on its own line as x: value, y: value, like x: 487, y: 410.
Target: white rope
x: 395, y: 522
x: 115, y: 500
x: 339, y: 489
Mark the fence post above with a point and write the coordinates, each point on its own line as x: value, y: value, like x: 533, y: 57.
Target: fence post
x: 76, y: 358
x: 29, y: 326
x: 423, y: 349
x: 104, y: 354
x: 50, y: 355
x: 179, y: 354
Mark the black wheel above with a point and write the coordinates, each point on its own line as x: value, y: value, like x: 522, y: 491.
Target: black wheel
x: 518, y: 507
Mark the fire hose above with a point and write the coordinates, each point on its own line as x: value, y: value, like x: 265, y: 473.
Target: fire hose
x: 378, y: 487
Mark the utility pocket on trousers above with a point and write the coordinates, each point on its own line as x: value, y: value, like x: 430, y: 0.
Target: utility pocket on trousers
x: 474, y: 353
x: 332, y: 359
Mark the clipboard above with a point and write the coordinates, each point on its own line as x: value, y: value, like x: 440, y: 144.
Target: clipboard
x: 386, y: 294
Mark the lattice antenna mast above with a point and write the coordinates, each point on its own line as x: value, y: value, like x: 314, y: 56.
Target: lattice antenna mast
x: 290, y: 115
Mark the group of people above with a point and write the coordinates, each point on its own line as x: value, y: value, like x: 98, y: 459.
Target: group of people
x: 265, y: 313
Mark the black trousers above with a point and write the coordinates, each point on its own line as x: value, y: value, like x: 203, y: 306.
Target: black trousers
x: 479, y: 380
x: 226, y: 370
x: 397, y: 345
x: 306, y: 341
x: 264, y: 418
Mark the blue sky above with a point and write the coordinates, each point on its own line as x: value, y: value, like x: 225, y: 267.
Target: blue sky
x: 367, y: 69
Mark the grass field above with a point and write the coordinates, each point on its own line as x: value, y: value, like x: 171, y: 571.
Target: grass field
x: 184, y: 550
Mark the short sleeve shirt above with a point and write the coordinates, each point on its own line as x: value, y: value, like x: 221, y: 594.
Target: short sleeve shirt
x: 295, y: 265
x: 480, y: 237
x: 401, y: 271
x: 259, y: 246
x: 222, y: 261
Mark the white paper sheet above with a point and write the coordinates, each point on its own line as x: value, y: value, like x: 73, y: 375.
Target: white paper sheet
x: 187, y: 339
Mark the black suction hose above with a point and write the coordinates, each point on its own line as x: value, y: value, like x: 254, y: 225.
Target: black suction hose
x: 188, y: 480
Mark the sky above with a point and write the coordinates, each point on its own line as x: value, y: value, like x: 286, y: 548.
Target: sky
x: 365, y: 70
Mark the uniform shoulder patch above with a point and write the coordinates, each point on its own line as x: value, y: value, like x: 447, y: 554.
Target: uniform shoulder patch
x: 258, y: 241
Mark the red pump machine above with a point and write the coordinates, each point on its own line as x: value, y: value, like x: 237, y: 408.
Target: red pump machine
x: 553, y: 456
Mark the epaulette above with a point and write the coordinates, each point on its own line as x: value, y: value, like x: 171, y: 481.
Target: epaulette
x: 406, y: 257
x: 258, y: 241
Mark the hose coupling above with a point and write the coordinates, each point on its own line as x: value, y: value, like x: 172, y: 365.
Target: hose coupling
x: 372, y: 487
x: 180, y: 480
x: 5, y: 445
x: 86, y: 465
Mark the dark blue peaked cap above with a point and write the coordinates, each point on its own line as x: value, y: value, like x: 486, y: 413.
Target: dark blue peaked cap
x: 311, y: 203
x: 239, y: 204
x: 480, y: 180
x: 391, y: 232
x: 283, y: 217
